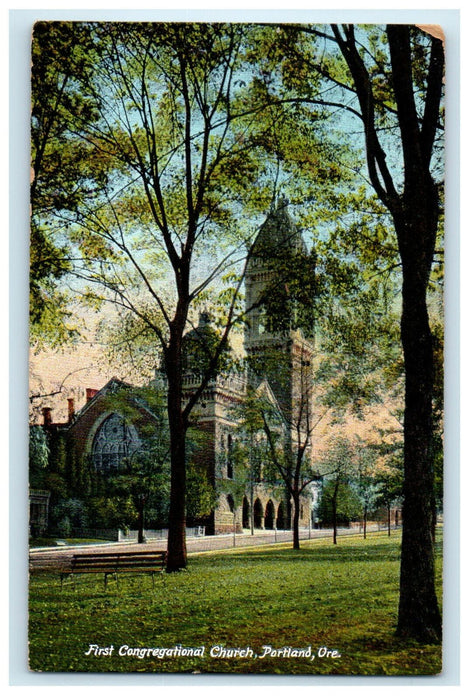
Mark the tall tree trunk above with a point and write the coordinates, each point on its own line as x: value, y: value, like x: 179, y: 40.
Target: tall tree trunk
x: 296, y: 521
x: 415, y: 216
x: 177, y: 551
x: 419, y: 615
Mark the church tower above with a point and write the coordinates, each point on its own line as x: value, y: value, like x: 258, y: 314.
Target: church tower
x: 275, y: 343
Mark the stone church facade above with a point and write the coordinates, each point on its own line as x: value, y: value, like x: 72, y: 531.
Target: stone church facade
x: 278, y: 371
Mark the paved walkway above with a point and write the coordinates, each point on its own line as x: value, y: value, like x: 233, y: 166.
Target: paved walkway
x: 52, y: 557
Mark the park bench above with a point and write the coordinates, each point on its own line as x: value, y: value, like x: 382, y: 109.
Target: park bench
x: 112, y: 563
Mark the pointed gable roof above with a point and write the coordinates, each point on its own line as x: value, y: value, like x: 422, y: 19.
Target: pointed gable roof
x: 264, y: 389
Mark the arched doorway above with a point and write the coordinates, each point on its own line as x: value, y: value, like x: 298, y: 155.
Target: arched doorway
x: 245, y: 512
x: 258, y: 514
x: 231, y: 504
x: 269, y: 516
x: 281, y: 517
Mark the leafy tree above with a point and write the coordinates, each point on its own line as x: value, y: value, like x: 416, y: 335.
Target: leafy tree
x: 416, y: 84
x: 111, y: 511
x: 366, y: 482
x: 338, y: 504
x: 60, y: 175
x: 391, y: 79
x: 201, y: 493
x: 144, y: 477
x: 287, y: 436
x: 389, y: 485
x: 338, y: 499
x: 174, y: 136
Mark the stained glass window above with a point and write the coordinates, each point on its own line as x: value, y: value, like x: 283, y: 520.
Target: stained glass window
x: 114, y: 440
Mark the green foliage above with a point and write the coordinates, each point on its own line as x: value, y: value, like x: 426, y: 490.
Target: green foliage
x: 57, y: 485
x: 389, y: 486
x: 52, y: 478
x: 142, y: 482
x: 111, y: 511
x: 61, y: 174
x: 38, y: 455
x: 289, y: 299
x: 200, y: 346
x: 349, y: 506
x: 257, y: 452
x: 201, y: 494
x: 69, y: 514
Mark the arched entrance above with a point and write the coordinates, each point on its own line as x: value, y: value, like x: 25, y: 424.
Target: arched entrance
x: 245, y: 512
x: 269, y: 516
x: 258, y: 514
x: 231, y: 504
x: 281, y: 517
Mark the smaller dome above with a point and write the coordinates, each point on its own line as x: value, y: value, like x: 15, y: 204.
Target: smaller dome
x: 199, y: 344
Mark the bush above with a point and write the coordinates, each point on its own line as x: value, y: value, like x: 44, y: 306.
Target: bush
x: 64, y: 527
x: 69, y: 514
x: 348, y: 504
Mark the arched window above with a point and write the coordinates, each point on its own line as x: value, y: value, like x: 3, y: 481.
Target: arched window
x: 114, y: 440
x: 229, y: 458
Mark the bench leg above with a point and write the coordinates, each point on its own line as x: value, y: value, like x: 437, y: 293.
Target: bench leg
x: 64, y: 576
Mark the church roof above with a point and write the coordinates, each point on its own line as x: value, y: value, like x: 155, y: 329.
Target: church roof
x: 277, y: 231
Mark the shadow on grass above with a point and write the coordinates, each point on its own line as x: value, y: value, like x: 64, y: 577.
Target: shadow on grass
x: 332, y: 553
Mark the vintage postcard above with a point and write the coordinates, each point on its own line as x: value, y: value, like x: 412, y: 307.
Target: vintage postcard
x: 236, y: 348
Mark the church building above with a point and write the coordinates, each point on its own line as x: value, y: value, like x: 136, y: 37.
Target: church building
x: 278, y: 358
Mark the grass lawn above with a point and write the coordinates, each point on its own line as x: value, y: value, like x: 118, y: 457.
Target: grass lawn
x: 320, y: 600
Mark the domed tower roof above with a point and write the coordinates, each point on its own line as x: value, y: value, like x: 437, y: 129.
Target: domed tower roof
x: 277, y: 232
x: 199, y: 344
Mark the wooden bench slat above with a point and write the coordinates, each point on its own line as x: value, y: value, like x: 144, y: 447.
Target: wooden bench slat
x: 114, y: 563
